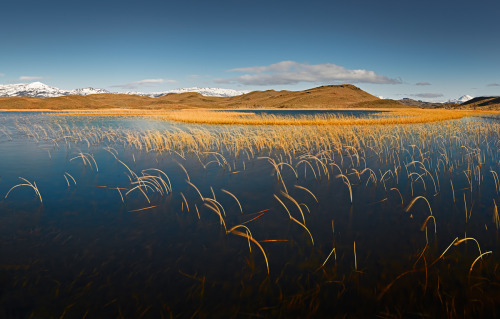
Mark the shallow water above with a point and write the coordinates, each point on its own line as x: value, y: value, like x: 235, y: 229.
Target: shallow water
x: 354, y: 113
x: 84, y: 251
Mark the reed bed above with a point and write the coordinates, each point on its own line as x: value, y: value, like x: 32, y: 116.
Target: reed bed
x: 218, y: 117
x: 402, y: 116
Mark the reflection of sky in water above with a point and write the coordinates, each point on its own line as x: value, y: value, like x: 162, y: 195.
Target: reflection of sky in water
x: 355, y: 113
x: 86, y: 229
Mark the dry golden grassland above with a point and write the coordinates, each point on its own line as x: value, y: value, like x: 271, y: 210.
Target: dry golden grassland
x: 203, y: 116
x: 400, y: 116
x: 225, y: 117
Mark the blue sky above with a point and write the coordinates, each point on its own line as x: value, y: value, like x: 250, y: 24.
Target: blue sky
x: 430, y: 50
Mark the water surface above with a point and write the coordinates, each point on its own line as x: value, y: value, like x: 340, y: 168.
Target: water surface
x: 90, y: 249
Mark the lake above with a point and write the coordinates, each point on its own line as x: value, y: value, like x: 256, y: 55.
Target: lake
x: 137, y: 217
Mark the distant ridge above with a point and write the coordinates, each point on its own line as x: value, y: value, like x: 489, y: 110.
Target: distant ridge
x: 330, y: 96
x: 203, y: 91
x: 462, y: 99
x: 41, y: 90
x: 450, y: 103
x: 481, y: 103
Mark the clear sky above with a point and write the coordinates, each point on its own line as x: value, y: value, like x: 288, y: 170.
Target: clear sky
x: 430, y: 50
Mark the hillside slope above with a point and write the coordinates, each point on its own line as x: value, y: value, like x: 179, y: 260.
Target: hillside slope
x: 331, y: 96
x: 482, y: 103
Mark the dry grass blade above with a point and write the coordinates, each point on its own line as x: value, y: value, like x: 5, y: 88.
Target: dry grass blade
x: 215, y: 209
x: 496, y: 218
x: 355, y: 258
x: 74, y: 181
x: 480, y: 257
x: 469, y: 238
x: 121, y: 196
x: 444, y: 252
x: 331, y: 252
x: 232, y: 195
x: 196, y: 188
x: 141, y: 209
x: 185, y: 171
x: 426, y: 221
x: 307, y: 190
x: 348, y: 183
x: 216, y: 203
x: 185, y: 201
x: 29, y: 184
x: 304, y: 226
x: 261, y: 213
x: 296, y: 204
x: 401, y: 196
x: 163, y: 173
x: 66, y: 180
x: 140, y: 189
x: 279, y: 200
x: 238, y: 233
x: 410, y: 205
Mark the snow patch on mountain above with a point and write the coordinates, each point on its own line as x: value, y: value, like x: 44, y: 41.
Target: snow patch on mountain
x: 41, y: 90
x: 462, y: 99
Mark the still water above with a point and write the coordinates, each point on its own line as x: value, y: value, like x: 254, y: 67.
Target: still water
x: 337, y: 227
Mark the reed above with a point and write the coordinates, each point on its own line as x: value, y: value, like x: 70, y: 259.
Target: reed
x: 235, y: 198
x: 245, y: 235
x: 410, y: 205
x: 476, y: 260
x: 496, y: 218
x: 28, y: 184
x: 185, y: 201
x: 348, y: 183
x: 308, y: 191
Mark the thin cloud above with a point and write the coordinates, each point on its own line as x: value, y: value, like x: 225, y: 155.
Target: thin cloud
x: 422, y: 83
x: 428, y: 95
x: 30, y: 78
x: 143, y: 83
x: 2, y: 74
x: 493, y: 84
x: 291, y: 72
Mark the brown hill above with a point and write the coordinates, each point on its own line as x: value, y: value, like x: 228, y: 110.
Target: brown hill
x: 331, y: 96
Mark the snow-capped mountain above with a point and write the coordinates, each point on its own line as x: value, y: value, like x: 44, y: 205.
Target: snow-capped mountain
x: 88, y: 91
x: 40, y: 90
x: 203, y: 91
x: 462, y: 99
x: 35, y: 89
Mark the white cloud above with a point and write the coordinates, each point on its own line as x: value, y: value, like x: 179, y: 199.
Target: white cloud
x: 2, y: 74
x: 422, y: 83
x: 428, y: 95
x: 143, y: 83
x: 291, y: 72
x: 30, y: 78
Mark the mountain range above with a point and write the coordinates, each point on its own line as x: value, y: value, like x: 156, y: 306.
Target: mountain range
x: 37, y: 95
x: 329, y: 96
x: 41, y: 90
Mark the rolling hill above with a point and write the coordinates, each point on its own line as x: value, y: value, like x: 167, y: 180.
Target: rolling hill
x: 331, y: 96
